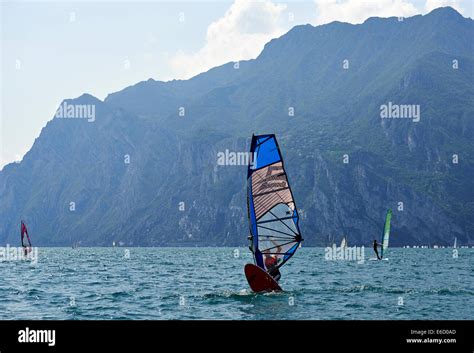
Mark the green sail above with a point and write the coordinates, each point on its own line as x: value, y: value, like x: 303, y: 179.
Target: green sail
x: 386, y: 232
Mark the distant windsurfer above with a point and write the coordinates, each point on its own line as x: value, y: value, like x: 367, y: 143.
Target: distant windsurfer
x: 375, y: 245
x: 24, y: 231
x: 271, y: 263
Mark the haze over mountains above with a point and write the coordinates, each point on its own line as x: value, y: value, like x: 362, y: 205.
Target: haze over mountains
x: 145, y: 175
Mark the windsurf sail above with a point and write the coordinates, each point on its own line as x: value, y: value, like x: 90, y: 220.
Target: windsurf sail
x: 25, y: 241
x: 272, y: 213
x: 386, y: 232
x: 455, y: 245
x: 343, y: 242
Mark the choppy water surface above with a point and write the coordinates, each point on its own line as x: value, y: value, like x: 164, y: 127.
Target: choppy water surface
x: 208, y: 283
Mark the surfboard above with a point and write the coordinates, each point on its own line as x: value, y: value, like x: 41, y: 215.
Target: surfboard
x: 375, y: 259
x: 259, y: 280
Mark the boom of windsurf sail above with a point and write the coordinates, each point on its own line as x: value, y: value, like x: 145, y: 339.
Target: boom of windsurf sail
x: 25, y: 241
x: 272, y: 213
x: 386, y: 232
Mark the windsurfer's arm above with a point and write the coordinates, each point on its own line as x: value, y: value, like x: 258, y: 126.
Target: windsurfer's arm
x: 278, y: 247
x: 278, y: 250
x: 276, y: 256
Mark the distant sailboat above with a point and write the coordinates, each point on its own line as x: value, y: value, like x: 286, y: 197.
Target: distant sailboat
x: 25, y: 241
x: 455, y: 245
x: 343, y: 243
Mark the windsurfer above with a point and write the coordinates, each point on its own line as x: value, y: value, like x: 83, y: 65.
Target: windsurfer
x: 375, y: 244
x: 271, y: 263
x: 24, y: 231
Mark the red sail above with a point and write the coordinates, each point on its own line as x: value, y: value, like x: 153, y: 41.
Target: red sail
x: 24, y: 232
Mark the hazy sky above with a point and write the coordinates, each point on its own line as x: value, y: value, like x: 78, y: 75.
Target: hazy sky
x: 56, y: 50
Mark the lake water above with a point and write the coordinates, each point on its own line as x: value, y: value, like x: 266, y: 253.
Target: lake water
x: 208, y: 283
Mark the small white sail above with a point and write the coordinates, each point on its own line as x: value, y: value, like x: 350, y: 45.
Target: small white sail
x: 343, y: 242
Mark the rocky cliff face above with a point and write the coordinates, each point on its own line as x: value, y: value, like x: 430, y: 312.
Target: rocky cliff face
x: 146, y: 171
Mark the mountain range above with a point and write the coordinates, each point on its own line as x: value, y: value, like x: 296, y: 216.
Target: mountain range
x: 145, y: 172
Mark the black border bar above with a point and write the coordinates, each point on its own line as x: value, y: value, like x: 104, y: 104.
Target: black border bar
x: 314, y: 336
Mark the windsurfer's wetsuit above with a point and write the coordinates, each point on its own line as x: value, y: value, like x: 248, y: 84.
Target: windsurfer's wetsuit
x: 375, y: 249
x: 271, y: 265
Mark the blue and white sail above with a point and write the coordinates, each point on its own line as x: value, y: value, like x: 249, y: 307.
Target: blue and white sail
x: 273, y: 217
